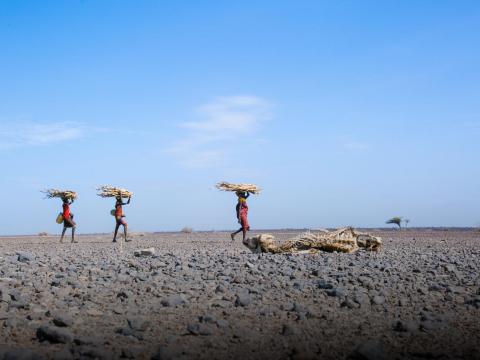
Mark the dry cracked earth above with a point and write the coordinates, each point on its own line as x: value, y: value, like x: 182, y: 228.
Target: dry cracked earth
x: 203, y: 297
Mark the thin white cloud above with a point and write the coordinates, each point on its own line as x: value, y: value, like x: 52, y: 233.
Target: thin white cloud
x: 39, y: 133
x: 240, y: 114
x: 206, y: 141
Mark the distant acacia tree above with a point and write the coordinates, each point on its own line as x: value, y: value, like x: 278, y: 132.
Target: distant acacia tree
x: 406, y: 221
x: 397, y: 220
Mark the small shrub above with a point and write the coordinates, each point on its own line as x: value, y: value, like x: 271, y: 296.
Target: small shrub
x: 43, y: 233
x: 397, y: 220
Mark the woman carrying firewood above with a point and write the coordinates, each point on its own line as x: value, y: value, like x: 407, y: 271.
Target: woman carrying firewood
x: 120, y: 218
x: 68, y: 218
x: 242, y: 214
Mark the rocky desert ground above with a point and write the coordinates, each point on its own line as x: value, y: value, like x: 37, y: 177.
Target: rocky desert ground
x: 200, y: 296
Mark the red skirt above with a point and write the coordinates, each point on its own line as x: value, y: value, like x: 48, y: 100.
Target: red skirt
x: 244, y: 221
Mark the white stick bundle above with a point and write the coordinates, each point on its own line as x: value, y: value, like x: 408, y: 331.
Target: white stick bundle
x: 251, y: 188
x: 106, y: 191
x: 55, y: 193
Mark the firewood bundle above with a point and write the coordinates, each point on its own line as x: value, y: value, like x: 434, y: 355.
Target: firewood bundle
x: 62, y: 194
x: 251, y: 188
x: 107, y: 191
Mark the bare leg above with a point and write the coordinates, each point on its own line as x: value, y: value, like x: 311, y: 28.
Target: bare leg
x: 116, y: 231
x: 232, y: 235
x: 73, y: 234
x: 244, y: 234
x: 63, y: 234
x: 125, y: 230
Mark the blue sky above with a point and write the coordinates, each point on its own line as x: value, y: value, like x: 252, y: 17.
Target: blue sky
x: 345, y: 112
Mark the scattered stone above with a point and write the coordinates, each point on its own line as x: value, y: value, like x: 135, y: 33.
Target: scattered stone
x: 370, y: 350
x: 199, y: 329
x: 243, y: 299
x: 405, y: 326
x: 138, y: 323
x: 378, y: 300
x: 94, y: 312
x: 54, y: 334
x: 24, y: 256
x: 288, y: 330
x: 336, y: 292
x: 322, y: 284
x: 144, y: 252
x: 173, y: 300
x: 63, y: 320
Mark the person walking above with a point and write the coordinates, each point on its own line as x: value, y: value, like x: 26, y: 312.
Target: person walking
x: 68, y: 222
x: 120, y: 217
x: 242, y: 214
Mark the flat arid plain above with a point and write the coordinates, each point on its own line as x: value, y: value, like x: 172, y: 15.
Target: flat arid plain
x: 202, y: 296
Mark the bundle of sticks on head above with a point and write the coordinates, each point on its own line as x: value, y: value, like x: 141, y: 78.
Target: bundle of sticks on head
x: 63, y: 194
x: 250, y: 188
x: 111, y: 191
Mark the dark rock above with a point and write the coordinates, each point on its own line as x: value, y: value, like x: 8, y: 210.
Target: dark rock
x: 300, y: 308
x: 54, y: 334
x: 24, y: 256
x: 287, y: 306
x: 62, y: 320
x: 370, y: 350
x: 210, y: 319
x: 221, y: 323
x: 435, y: 287
x: 86, y: 340
x: 220, y: 289
x: 97, y: 353
x: 199, y: 329
x: 16, y: 295
x: 288, y: 330
x: 127, y: 331
x: 378, y: 300
x: 19, y: 354
x: 322, y: 284
x: 336, y: 292
x: 124, y: 294
x: 429, y: 325
x: 5, y: 295
x: 173, y: 300
x: 349, y: 303
x: 405, y: 326
x: 243, y: 299
x: 138, y: 323
x: 167, y: 353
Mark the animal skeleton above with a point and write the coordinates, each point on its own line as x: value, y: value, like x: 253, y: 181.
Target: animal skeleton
x: 345, y: 240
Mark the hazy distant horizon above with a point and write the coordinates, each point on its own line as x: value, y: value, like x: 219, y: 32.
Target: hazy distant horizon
x: 255, y: 231
x: 345, y: 113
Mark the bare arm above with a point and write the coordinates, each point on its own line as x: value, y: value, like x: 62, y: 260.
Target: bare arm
x: 128, y: 202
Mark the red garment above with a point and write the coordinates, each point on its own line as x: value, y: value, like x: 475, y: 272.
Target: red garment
x: 244, y: 216
x: 66, y: 211
x: 118, y: 210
